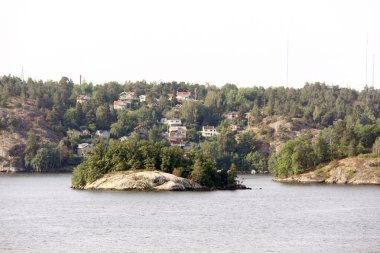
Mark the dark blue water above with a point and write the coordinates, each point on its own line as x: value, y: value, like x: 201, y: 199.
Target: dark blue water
x: 40, y: 213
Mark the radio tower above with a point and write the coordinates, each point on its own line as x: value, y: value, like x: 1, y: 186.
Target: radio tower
x: 373, y: 71
x: 22, y: 73
x: 287, y: 62
x: 366, y: 62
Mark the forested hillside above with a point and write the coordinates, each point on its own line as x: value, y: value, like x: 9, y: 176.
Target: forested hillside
x: 252, y: 126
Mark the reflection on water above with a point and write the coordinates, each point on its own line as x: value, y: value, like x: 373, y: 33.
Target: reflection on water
x: 40, y: 213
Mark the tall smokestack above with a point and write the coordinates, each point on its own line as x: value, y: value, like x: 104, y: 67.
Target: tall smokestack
x: 80, y: 79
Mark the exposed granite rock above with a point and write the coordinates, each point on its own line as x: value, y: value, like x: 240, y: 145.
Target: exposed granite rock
x: 143, y: 181
x: 351, y: 170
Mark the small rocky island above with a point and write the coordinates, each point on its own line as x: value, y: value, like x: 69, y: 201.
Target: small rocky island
x: 148, y: 181
x: 351, y: 170
x: 150, y: 166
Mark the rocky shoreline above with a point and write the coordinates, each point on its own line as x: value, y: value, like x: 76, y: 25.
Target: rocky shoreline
x: 353, y: 170
x: 148, y: 181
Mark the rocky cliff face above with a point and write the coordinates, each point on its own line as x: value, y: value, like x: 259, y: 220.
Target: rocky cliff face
x: 16, y: 120
x: 143, y: 181
x: 346, y: 171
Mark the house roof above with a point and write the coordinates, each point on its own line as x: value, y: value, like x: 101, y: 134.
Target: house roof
x: 119, y: 102
x: 183, y: 94
x: 138, y: 127
x: 83, y: 97
x: 232, y: 114
x: 208, y: 127
x: 177, y: 128
x: 83, y: 145
x: 175, y: 141
x: 127, y: 93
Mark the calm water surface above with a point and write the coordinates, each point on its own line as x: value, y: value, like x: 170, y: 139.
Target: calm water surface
x: 40, y: 213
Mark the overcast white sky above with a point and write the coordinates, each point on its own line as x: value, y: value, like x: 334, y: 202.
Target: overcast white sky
x: 241, y: 42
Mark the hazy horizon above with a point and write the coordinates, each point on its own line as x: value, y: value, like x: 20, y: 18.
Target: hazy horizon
x: 216, y: 42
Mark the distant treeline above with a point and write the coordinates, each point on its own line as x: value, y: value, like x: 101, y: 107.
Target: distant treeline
x: 317, y: 104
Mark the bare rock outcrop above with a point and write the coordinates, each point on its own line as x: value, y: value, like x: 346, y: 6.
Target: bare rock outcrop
x: 351, y: 170
x: 143, y: 181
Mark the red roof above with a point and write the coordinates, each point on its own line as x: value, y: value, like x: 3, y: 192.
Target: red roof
x: 175, y: 141
x: 138, y: 127
x: 184, y: 94
x: 119, y: 102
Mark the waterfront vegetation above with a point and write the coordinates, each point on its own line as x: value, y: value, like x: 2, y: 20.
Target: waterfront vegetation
x: 282, y: 130
x: 340, y: 140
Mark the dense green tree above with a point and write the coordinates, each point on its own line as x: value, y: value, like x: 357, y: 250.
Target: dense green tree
x: 103, y: 117
x: 256, y: 161
x: 204, y: 171
x: 320, y: 147
x: 70, y: 119
x: 232, y: 175
x: 30, y: 148
x: 45, y: 160
x: 171, y: 158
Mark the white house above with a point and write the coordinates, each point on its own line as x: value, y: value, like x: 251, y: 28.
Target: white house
x: 125, y: 98
x: 84, y: 148
x: 177, y: 136
x: 120, y: 105
x: 171, y: 122
x: 83, y: 98
x: 142, y: 98
x: 183, y: 96
x: 103, y: 134
x: 208, y: 131
x: 231, y: 115
x: 130, y: 95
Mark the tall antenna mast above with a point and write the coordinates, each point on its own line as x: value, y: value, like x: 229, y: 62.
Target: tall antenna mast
x: 287, y: 61
x: 22, y: 73
x: 373, y: 70
x: 366, y: 62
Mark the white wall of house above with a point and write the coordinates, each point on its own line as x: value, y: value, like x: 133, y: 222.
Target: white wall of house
x: 142, y: 98
x: 208, y: 132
